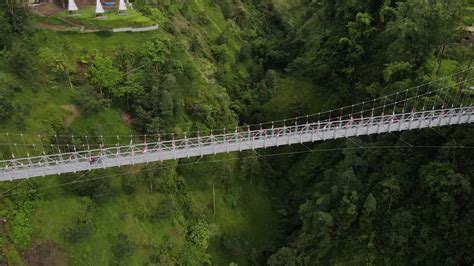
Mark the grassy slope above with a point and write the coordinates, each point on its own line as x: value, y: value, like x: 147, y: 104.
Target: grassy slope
x: 253, y: 219
x: 86, y: 17
x: 297, y: 93
x: 291, y: 11
x: 111, y: 19
x: 45, y: 100
x: 117, y: 215
x: 469, y: 13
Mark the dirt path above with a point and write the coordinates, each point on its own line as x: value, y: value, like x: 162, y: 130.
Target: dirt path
x: 127, y: 119
x: 73, y: 111
x: 45, y: 253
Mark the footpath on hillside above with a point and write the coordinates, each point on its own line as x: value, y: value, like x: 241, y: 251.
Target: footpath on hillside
x: 83, y: 29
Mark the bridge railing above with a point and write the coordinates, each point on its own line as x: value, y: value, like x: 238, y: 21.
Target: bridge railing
x: 449, y: 92
x: 269, y: 136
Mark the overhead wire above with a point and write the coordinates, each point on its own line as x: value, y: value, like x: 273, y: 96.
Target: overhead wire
x: 59, y: 145
x: 297, y: 118
x: 256, y: 157
x: 333, y: 239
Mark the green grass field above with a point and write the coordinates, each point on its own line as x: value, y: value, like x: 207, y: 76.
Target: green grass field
x: 469, y: 13
x: 111, y: 19
x: 251, y: 219
x: 76, y: 45
x: 252, y: 222
x: 293, y: 93
x: 469, y: 16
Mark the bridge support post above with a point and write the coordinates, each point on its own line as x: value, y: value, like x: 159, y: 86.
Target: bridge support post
x: 117, y: 154
x: 379, y: 123
x: 133, y: 156
x: 200, y: 144
x: 390, y: 124
x: 357, y: 126
x: 174, y: 150
x: 160, y: 151
x: 253, y: 141
x: 345, y: 130
x: 57, y: 168
x: 44, y: 172
x: 213, y: 141
x: 62, y: 161
x: 74, y: 166
x: 451, y: 117
x: 265, y: 139
x: 239, y: 136
x: 186, y: 143
x: 440, y: 119
x: 371, y: 121
x: 29, y: 166
x: 318, y: 130
x: 402, y: 120
x: 431, y: 118
x: 285, y: 133
x: 228, y: 142
x: 305, y: 132
x: 277, y: 137
x: 421, y: 119
x: 460, y: 116
x: 324, y: 130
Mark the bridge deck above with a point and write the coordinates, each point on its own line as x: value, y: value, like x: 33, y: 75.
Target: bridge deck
x: 239, y: 141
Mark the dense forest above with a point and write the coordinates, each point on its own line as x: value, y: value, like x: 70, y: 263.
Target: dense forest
x: 398, y: 198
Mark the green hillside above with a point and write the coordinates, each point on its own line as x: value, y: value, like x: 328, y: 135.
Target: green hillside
x: 156, y: 210
x: 220, y: 64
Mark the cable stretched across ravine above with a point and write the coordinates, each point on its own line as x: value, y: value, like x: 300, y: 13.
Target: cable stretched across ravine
x: 425, y: 106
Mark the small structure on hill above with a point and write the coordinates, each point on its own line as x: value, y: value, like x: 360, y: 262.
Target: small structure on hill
x: 469, y: 35
x: 71, y: 6
x: 99, y: 10
x: 122, y: 6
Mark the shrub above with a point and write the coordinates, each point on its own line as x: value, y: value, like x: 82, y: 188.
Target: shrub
x: 88, y: 101
x: 123, y: 247
x: 22, y: 230
x: 219, y: 53
x: 104, y: 74
x: 20, y: 60
x: 199, y: 234
x: 80, y: 229
x: 165, y: 210
x: 84, y: 224
x: 98, y: 189
x: 129, y: 185
x: 6, y: 107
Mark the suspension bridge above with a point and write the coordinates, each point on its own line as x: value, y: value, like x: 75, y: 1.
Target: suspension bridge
x: 444, y: 102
